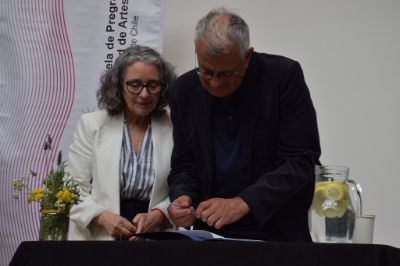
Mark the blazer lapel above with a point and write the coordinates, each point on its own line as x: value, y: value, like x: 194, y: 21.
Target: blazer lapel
x: 248, y: 115
x: 204, y: 131
x: 162, y: 146
x: 108, y: 151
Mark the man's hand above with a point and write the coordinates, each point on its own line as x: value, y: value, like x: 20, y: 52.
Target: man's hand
x: 116, y: 226
x: 217, y: 212
x: 181, y: 211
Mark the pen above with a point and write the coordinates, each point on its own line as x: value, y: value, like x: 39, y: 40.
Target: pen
x: 174, y: 205
x: 177, y: 206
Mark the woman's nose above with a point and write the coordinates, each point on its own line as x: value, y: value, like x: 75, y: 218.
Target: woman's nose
x: 144, y: 92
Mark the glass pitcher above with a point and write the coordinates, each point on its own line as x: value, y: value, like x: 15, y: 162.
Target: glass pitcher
x: 336, y: 203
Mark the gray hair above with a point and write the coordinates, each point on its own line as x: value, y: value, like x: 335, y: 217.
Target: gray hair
x: 109, y: 95
x: 221, y: 28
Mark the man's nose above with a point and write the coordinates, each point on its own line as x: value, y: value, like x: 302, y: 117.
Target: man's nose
x: 215, y: 81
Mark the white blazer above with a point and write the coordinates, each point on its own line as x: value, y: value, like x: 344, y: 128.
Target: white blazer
x: 94, y: 160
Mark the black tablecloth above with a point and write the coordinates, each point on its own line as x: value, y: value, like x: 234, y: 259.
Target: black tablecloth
x: 205, y: 253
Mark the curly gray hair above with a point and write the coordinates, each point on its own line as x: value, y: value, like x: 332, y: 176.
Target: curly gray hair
x: 109, y: 95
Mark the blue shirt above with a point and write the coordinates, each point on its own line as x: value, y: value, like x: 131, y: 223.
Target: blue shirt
x: 230, y: 165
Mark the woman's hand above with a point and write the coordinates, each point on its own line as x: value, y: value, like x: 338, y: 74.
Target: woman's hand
x: 115, y: 225
x: 148, y: 222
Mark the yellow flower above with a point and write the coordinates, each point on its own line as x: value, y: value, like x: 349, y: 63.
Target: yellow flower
x: 36, y: 194
x: 64, y: 195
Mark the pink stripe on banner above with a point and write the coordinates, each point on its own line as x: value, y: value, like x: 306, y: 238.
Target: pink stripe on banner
x: 70, y: 81
x: 7, y: 205
x: 40, y: 95
x: 30, y: 115
x: 17, y: 151
x: 58, y: 63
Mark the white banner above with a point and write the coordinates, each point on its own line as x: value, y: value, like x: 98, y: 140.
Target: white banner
x: 52, y: 53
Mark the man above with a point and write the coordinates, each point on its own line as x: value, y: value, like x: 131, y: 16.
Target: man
x: 245, y: 138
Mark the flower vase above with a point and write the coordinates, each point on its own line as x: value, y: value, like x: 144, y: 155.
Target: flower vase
x: 53, y: 226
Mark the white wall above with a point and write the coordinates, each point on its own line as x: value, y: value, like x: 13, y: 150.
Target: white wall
x: 349, y: 51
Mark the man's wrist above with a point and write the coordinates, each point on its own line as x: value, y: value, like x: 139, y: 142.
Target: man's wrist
x: 242, y: 205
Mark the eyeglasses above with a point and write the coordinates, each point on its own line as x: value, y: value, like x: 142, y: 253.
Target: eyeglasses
x: 207, y: 74
x: 153, y: 87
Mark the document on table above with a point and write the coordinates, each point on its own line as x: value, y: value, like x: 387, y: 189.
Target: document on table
x: 195, y: 235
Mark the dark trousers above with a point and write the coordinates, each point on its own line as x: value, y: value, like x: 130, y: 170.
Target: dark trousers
x: 130, y: 207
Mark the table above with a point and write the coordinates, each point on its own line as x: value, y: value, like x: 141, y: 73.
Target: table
x: 204, y: 253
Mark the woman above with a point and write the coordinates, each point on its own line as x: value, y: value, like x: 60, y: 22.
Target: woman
x: 120, y: 156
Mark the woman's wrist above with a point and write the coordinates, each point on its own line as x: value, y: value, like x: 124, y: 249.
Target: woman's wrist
x: 163, y: 221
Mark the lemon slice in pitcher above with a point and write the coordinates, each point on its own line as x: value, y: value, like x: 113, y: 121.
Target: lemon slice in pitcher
x: 318, y: 197
x: 335, y: 191
x: 331, y: 198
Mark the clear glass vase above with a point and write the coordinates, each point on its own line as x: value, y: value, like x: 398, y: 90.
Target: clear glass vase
x: 336, y: 203
x: 53, y: 226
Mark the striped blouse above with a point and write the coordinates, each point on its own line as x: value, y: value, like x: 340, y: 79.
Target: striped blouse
x: 136, y: 171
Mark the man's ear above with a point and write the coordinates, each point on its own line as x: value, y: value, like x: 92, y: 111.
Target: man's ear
x: 249, y: 52
x: 247, y: 56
